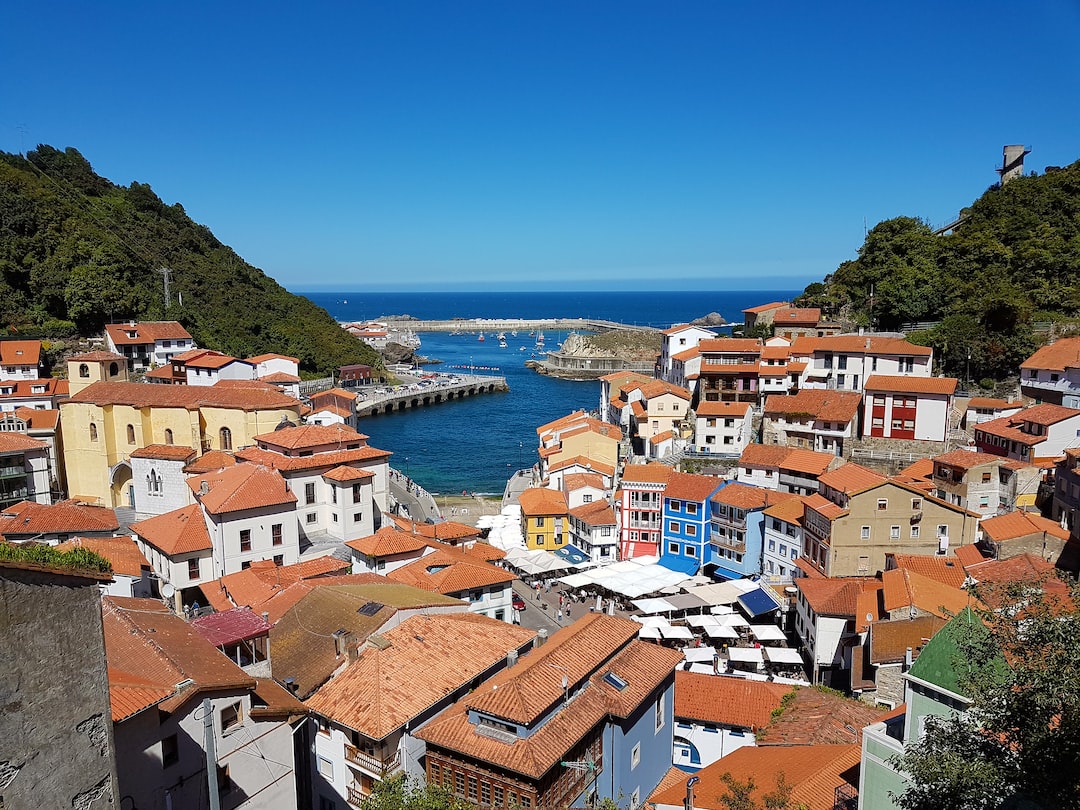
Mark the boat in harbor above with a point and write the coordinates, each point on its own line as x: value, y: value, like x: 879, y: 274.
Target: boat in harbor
x: 480, y: 337
x: 502, y: 343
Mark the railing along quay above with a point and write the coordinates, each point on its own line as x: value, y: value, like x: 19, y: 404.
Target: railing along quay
x: 404, y: 397
x: 513, y: 325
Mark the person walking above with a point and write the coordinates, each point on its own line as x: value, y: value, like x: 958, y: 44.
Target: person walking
x: 558, y: 616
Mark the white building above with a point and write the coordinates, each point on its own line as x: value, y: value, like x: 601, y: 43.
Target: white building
x: 677, y: 341
x: 158, y: 480
x: 783, y: 536
x: 844, y: 362
x: 20, y: 360
x: 723, y: 428
x: 594, y: 529
x: 906, y: 407
x: 148, y: 344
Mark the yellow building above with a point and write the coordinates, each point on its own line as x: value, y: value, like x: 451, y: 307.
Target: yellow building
x: 105, y: 422
x: 578, y: 435
x: 544, y: 518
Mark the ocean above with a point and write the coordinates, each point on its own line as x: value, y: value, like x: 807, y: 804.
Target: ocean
x: 476, y: 443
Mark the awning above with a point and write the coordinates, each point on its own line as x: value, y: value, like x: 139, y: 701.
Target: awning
x: 767, y: 632
x: 699, y: 654
x: 677, y: 562
x: 726, y: 573
x: 783, y: 655
x: 757, y: 602
x: 672, y: 631
x: 572, y: 554
x: 652, y: 606
x: 745, y: 655
x: 649, y: 632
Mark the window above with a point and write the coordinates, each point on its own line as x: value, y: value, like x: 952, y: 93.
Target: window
x: 310, y: 517
x: 472, y: 789
x: 914, y: 531
x: 635, y: 799
x: 659, y: 712
x: 245, y: 539
x: 279, y: 559
x: 916, y: 504
x: 225, y: 438
x: 894, y: 532
x: 539, y: 522
x: 986, y: 478
x: 865, y: 533
x: 485, y: 793
x: 635, y: 756
x: 231, y: 717
x: 586, y: 498
x: 942, y: 530
x: 691, y: 509
x: 498, y: 796
x: 333, y: 494
x: 326, y: 768
x: 309, y: 493
x: 275, y: 534
x: 357, y: 489
x: 772, y: 545
x: 476, y: 596
x: 131, y: 434
x: 357, y: 517
x: 691, y: 530
x: 691, y: 551
x: 84, y: 370
x: 170, y: 751
x: 193, y: 569
x: 93, y: 432
x: 783, y: 550
x: 539, y: 539
x: 673, y: 526
x: 673, y: 548
x: 882, y: 504
x: 459, y: 783
x: 168, y: 436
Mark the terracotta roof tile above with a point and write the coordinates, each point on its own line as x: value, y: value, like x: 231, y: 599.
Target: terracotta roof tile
x: 164, y: 452
x: 904, y: 588
x: 309, y: 436
x: 20, y: 352
x: 834, y: 596
x: 1020, y: 524
x: 189, y: 397
x: 861, y: 344
x: 262, y: 358
x: 262, y: 581
x: 576, y: 481
x: 966, y: 459
x: 814, y: 772
x: 449, y: 571
x: 427, y: 658
x: 890, y: 640
x: 691, y: 487
x: 852, y: 478
x: 765, y: 307
x: 987, y: 403
x: 646, y: 473
x: 121, y: 552
x: 346, y: 474
x: 315, y: 461
x: 731, y: 345
x: 240, y: 487
x: 830, y: 406
x: 797, y: 316
x: 817, y: 717
x: 64, y: 517
x: 388, y: 541
x: 14, y: 442
x: 45, y: 419
x: 745, y: 496
x: 903, y: 384
x: 100, y: 356
x: 923, y: 468
x: 147, y: 332
x: 946, y: 570
x: 231, y: 626
x: 731, y: 409
x: 538, y: 501
x: 210, y: 462
x: 178, y: 532
x: 1058, y: 356
x: 585, y: 462
x: 447, y: 531
x: 597, y: 513
x: 726, y: 701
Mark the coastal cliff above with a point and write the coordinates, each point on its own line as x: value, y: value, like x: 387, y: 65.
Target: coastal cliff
x: 587, y: 357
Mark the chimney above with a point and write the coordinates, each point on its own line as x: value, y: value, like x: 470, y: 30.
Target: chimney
x: 339, y: 642
x: 868, y: 343
x: 266, y: 617
x: 907, y: 659
x: 291, y: 685
x: 541, y: 638
x: 204, y: 487
x: 511, y: 658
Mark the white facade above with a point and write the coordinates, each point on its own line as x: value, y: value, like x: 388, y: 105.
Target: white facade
x: 580, y: 496
x: 266, y: 533
x: 722, y: 434
x: 349, y: 513
x: 711, y: 742
x: 601, y: 543
x: 159, y: 485
x: 783, y: 544
x: 363, y: 564
x: 931, y: 411
x: 847, y: 370
x: 821, y: 635
x: 205, y: 375
x: 676, y: 341
x: 39, y: 395
x: 256, y: 756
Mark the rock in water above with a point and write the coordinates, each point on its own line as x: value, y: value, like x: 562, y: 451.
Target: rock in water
x: 712, y: 319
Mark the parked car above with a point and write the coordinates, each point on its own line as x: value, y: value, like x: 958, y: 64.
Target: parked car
x: 518, y: 602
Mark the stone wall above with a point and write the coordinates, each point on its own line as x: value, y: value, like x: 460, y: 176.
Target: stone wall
x: 56, y: 737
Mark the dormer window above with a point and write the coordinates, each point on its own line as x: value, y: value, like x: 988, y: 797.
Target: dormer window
x: 133, y: 335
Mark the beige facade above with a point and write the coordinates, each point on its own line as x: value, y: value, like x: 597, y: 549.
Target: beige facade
x: 103, y: 424
x: 592, y: 445
x: 888, y: 518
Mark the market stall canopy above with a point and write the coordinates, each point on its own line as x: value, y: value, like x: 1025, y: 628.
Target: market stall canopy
x: 783, y: 655
x: 758, y: 602
x: 745, y: 655
x: 699, y: 654
x: 767, y: 632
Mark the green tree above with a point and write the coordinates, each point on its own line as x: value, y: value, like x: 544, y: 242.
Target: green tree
x: 400, y: 792
x: 741, y: 795
x: 1019, y: 742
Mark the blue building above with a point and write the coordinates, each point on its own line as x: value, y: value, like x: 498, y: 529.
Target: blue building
x: 685, y: 521
x: 737, y: 529
x: 588, y: 715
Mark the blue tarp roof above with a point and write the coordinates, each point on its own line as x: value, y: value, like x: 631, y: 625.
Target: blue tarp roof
x: 572, y: 554
x: 677, y: 562
x: 758, y: 601
x: 726, y: 573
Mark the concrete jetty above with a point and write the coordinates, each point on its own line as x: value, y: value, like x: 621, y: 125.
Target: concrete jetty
x: 513, y: 324
x: 377, y: 401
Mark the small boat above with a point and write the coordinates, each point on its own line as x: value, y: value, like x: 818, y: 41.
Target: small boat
x: 502, y: 343
x: 513, y: 333
x: 501, y: 336
x: 521, y: 348
x: 480, y: 337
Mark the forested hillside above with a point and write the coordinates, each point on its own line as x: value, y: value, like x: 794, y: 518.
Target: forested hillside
x: 1012, y: 263
x: 77, y: 251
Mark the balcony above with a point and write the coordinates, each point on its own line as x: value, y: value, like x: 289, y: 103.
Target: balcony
x: 647, y: 525
x: 373, y: 764
x: 14, y: 471
x: 736, y: 545
x: 356, y: 798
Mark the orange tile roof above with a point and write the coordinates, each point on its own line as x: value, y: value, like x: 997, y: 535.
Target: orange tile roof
x: 830, y: 406
x: 99, y: 356
x: 824, y: 507
x: 729, y: 369
x: 14, y: 442
x: 307, y: 436
x: 763, y: 455
x: 263, y: 580
x: 813, y: 772
x: 691, y: 487
x: 538, y: 501
x: 776, y: 352
x: 967, y: 459
x: 890, y: 639
x: 923, y: 468
x: 189, y: 397
x: 597, y: 513
x: 151, y: 652
x: 902, y: 587
x: 687, y: 354
x: 449, y: 571
x: 969, y: 555
x: 164, y: 452
x: 20, y: 352
x: 570, y: 418
x: 903, y: 384
x: 178, y: 532
x: 790, y: 510
x: 988, y: 403
x: 388, y: 541
x: 946, y: 570
x: 1057, y: 356
x: 852, y: 478
x: 576, y: 481
x: 211, y: 359
x: 798, y: 316
x: 1020, y: 524
x: 589, y: 648
x: 766, y: 307
x: 745, y: 496
x: 815, y: 716
x: 64, y: 517
x: 726, y: 701
x: 315, y: 461
x: 241, y: 487
x: 21, y: 389
x: 278, y: 377
x: 661, y: 437
x: 210, y: 462
x: 710, y: 408
x: 652, y: 473
x: 446, y: 531
x: 835, y: 596
x: 46, y: 419
x: 427, y: 658
x: 346, y: 474
x: 729, y: 345
x: 147, y: 332
x: 262, y: 358
x: 861, y: 344
x: 122, y: 552
x: 583, y: 461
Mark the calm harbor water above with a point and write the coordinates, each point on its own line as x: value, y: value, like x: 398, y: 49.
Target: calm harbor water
x: 476, y: 443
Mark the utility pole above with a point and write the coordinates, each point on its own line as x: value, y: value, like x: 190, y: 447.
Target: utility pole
x: 210, y: 744
x: 165, y: 271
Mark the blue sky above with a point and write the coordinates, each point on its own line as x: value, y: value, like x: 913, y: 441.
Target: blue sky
x: 554, y: 145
